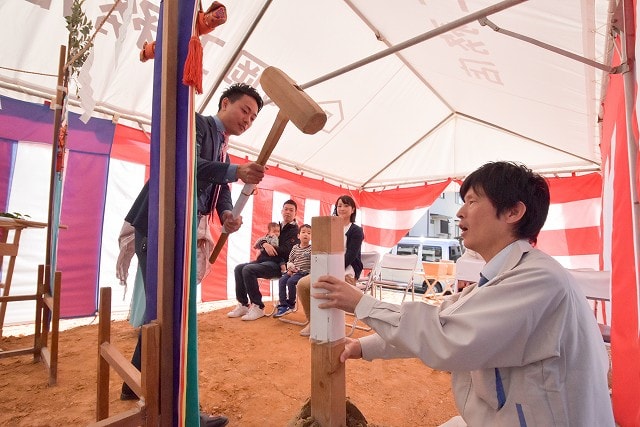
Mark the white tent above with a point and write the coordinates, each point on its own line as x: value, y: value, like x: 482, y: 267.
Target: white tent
x: 415, y: 91
x: 437, y: 109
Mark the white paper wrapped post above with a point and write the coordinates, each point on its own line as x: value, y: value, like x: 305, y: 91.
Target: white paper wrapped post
x: 327, y: 326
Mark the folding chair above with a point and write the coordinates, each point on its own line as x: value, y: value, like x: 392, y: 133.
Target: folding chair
x: 396, y: 272
x: 434, y: 273
x: 369, y: 263
x: 365, y: 284
x: 273, y: 290
x: 596, y: 287
x: 287, y: 319
x: 449, y: 277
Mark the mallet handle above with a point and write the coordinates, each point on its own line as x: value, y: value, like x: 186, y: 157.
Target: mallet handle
x: 270, y: 143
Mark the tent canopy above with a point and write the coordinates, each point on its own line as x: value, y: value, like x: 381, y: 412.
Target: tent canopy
x: 437, y: 109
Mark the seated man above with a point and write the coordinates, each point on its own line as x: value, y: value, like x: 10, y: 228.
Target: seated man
x: 522, y: 344
x: 267, y: 266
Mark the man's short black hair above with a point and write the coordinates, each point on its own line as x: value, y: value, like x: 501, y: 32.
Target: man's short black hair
x: 506, y: 184
x: 237, y: 90
x: 291, y: 202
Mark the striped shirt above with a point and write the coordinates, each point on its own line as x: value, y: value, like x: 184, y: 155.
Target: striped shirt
x: 301, y: 258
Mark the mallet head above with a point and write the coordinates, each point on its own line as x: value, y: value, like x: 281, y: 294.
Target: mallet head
x: 299, y: 108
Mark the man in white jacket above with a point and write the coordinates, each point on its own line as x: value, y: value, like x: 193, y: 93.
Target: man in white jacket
x: 522, y: 344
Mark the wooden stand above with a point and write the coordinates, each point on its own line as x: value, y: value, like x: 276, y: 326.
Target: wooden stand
x: 9, y: 248
x: 145, y: 383
x: 47, y: 313
x: 328, y: 394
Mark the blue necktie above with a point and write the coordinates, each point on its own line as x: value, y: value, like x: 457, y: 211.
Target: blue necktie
x: 482, y: 280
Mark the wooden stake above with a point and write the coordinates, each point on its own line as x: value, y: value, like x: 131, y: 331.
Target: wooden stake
x: 328, y: 404
x: 167, y: 204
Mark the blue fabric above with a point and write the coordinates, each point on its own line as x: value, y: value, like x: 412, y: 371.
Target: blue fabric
x: 500, y: 390
x: 136, y: 312
x: 521, y: 419
x: 482, y: 280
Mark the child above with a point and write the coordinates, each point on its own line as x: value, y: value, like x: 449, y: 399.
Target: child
x: 272, y: 237
x: 299, y: 265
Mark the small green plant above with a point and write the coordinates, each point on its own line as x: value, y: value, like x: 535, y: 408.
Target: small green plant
x: 14, y: 215
x: 79, y: 36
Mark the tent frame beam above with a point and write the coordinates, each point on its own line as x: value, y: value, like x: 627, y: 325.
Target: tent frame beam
x: 622, y: 68
x: 400, y: 56
x: 490, y: 10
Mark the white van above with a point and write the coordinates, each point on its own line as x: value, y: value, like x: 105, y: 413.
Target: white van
x: 427, y: 249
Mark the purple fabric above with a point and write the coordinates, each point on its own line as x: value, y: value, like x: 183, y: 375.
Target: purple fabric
x: 79, y: 245
x: 25, y: 121
x: 84, y: 194
x: 7, y: 158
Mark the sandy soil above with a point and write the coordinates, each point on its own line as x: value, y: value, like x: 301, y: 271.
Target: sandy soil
x: 256, y: 373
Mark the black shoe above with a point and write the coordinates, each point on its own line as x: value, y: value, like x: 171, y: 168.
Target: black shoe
x: 213, y: 420
x: 127, y: 393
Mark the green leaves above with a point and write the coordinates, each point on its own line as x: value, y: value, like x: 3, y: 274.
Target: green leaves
x: 79, y: 28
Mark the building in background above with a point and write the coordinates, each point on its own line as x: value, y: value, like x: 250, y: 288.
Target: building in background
x: 440, y: 220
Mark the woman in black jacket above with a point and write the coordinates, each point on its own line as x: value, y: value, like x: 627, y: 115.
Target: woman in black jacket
x: 345, y: 208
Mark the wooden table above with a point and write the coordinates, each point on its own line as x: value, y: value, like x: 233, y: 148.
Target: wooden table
x: 11, y: 227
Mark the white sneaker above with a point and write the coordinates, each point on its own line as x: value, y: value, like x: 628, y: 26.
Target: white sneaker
x: 239, y: 311
x: 253, y: 313
x: 306, y: 331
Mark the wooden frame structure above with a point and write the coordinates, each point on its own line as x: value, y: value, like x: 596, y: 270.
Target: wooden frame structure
x: 145, y: 383
x: 47, y: 320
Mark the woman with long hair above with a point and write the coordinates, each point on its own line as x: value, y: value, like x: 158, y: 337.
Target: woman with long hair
x: 345, y: 208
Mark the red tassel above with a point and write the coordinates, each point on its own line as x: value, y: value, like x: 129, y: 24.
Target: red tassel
x: 192, y: 74
x: 148, y: 51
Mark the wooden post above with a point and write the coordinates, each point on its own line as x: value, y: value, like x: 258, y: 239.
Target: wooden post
x: 328, y: 404
x: 104, y: 335
x: 151, y: 372
x: 50, y: 352
x: 57, y: 122
x: 166, y: 205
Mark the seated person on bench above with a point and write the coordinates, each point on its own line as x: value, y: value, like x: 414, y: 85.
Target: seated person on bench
x: 267, y: 266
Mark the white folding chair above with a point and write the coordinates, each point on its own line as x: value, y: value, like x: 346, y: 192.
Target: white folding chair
x: 365, y: 284
x: 396, y: 272
x: 596, y: 285
x: 369, y: 263
x: 273, y: 289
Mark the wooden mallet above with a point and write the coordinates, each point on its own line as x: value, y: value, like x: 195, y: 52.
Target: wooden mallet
x: 295, y: 106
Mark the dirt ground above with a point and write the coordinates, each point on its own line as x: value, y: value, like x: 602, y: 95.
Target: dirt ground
x: 256, y: 373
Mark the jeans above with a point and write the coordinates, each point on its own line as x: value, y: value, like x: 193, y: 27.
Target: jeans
x: 247, y: 276
x: 289, y: 283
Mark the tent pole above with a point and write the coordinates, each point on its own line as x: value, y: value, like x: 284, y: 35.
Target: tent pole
x: 418, y: 39
x: 61, y: 89
x: 629, y: 84
x: 613, y: 70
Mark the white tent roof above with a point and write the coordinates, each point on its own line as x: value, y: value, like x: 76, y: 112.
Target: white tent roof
x: 437, y: 109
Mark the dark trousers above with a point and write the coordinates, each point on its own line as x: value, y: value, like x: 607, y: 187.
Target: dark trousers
x: 290, y: 284
x: 247, y: 275
x: 141, y: 254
